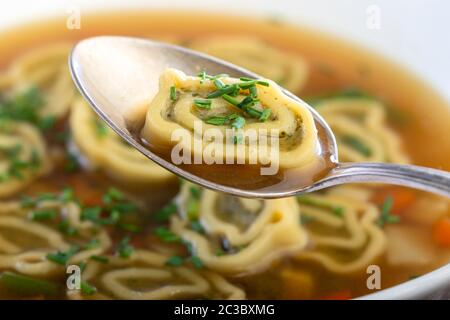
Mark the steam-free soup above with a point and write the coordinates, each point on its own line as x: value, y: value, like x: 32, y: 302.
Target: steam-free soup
x: 74, y: 195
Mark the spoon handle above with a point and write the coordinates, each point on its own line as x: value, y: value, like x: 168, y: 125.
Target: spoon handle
x: 426, y: 179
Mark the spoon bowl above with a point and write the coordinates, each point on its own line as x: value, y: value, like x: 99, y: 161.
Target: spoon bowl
x: 117, y: 74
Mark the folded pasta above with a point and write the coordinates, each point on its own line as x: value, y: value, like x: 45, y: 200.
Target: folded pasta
x: 145, y: 276
x: 107, y: 151
x: 41, y: 236
x: 361, y: 131
x: 287, y: 70
x: 23, y: 156
x: 237, y: 235
x: 219, y: 119
x: 342, y: 224
x: 47, y: 69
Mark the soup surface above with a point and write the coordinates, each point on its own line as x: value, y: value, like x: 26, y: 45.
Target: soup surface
x: 74, y: 195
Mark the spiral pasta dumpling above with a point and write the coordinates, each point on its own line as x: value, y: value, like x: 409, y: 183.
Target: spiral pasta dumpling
x: 238, y: 235
x: 47, y: 69
x: 361, y: 130
x: 42, y: 237
x: 23, y: 156
x: 232, y: 120
x: 342, y: 224
x: 145, y: 276
x: 287, y: 70
x: 106, y: 150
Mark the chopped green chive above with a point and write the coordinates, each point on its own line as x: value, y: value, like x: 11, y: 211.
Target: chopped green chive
x: 25, y: 285
x: 40, y: 215
x: 66, y: 195
x: 195, y: 260
x: 112, y: 195
x: 357, y: 144
x: 386, y: 217
x: 203, y: 103
x: 94, y: 243
x: 217, y: 121
x: 87, y: 289
x: 219, y: 84
x: 165, y: 213
x: 72, y: 164
x: 62, y: 257
x: 123, y: 207
x: 100, y: 128
x: 197, y: 226
x: 166, y: 235
x: 195, y: 192
x: 91, y: 213
x: 192, y: 209
x: 253, y: 91
x: 175, y: 261
x: 124, y: 249
x: 65, y: 227
x: 202, y: 75
x: 305, y: 219
x: 238, y: 123
x: 101, y: 259
x: 173, y: 93
x: 265, y: 114
x: 224, y: 90
x: 230, y: 99
x: 130, y: 227
x: 336, y: 210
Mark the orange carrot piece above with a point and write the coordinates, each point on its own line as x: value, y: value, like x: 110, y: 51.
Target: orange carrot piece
x: 441, y: 232
x: 402, y: 198
x: 339, y: 295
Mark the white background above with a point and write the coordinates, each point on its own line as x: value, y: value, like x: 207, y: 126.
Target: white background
x: 413, y: 32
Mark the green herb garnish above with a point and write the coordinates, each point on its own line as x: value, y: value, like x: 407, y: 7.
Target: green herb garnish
x: 101, y: 128
x: 101, y: 259
x: 91, y: 214
x: 165, y: 213
x: 175, y: 261
x: 112, y: 194
x: 238, y: 123
x: 357, y: 144
x: 386, y: 217
x: 130, y: 227
x: 72, y: 164
x: 217, y: 121
x: 203, y: 103
x: 265, y: 115
x: 227, y: 89
x: 197, y: 226
x: 24, y: 285
x: 336, y: 210
x: 197, y: 263
x: 65, y: 227
x: 87, y: 289
x: 124, y: 249
x: 166, y: 235
x: 94, y: 243
x: 40, y: 215
x: 173, y: 93
x: 62, y: 257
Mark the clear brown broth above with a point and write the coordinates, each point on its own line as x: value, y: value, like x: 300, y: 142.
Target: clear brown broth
x: 424, y: 132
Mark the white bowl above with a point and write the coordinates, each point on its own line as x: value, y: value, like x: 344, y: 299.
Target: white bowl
x: 411, y: 32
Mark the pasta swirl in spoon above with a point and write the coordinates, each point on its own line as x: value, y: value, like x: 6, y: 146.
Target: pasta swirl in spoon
x: 218, y: 119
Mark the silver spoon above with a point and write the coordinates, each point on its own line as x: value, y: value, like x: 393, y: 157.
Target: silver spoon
x: 116, y: 74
